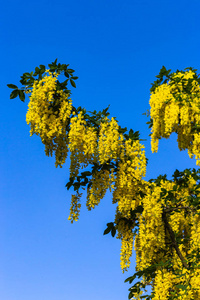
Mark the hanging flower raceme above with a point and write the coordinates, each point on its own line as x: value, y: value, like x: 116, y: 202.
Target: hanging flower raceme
x: 169, y: 232
x: 131, y: 170
x: 75, y: 207
x: 100, y: 182
x: 117, y: 162
x: 100, y: 147
x: 48, y: 114
x: 126, y: 246
x: 110, y: 141
x: 175, y: 107
x: 151, y: 237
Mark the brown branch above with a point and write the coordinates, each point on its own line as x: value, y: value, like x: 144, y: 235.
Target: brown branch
x: 166, y: 210
x: 173, y: 239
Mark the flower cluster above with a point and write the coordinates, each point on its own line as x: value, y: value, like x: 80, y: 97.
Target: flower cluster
x: 151, y: 237
x: 165, y: 231
x: 48, y: 114
x: 186, y: 286
x: 82, y: 144
x: 153, y: 242
x: 124, y: 182
x: 75, y: 207
x: 175, y: 107
x: 110, y: 141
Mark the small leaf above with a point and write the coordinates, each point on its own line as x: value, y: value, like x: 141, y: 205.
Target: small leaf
x: 181, y: 286
x: 37, y: 70
x: 72, y: 83
x: 86, y: 173
x: 130, y: 295
x: 66, y: 74
x: 12, y: 86
x: 130, y: 279
x: 107, y: 230
x: 113, y: 231
x: 14, y: 94
x: 42, y: 67
x: 21, y: 95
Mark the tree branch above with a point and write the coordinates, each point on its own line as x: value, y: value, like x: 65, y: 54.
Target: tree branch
x: 167, y: 210
x: 173, y: 239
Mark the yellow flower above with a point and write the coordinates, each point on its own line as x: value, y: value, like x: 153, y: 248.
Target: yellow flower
x: 48, y: 114
x: 173, y: 109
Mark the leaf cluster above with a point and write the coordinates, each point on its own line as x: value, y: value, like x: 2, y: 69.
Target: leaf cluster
x: 84, y: 179
x: 163, y: 77
x: 27, y: 79
x: 131, y: 222
x: 111, y: 227
x: 94, y: 118
x: 147, y: 273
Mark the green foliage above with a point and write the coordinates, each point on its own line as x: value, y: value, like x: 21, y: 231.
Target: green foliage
x: 110, y: 228
x: 163, y: 77
x: 27, y: 79
x: 166, y: 76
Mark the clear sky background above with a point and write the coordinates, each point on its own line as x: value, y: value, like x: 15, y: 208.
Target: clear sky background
x: 117, y: 48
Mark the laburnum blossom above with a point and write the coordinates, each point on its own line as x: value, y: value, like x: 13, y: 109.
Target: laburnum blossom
x: 153, y: 241
x: 62, y: 130
x: 117, y: 163
x: 174, y: 108
x: 48, y: 114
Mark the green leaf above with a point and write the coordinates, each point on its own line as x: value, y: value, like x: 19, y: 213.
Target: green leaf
x: 66, y: 74
x: 107, y: 230
x: 86, y: 173
x: 72, y: 83
x: 53, y: 68
x: 113, y: 231
x: 42, y: 67
x: 70, y: 183
x: 12, y: 86
x: 181, y: 286
x: 130, y: 279
x: 21, y: 95
x: 110, y: 226
x: 26, y: 74
x: 14, y: 94
x: 37, y: 70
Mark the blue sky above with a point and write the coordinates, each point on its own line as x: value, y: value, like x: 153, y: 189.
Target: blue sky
x: 117, y: 48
